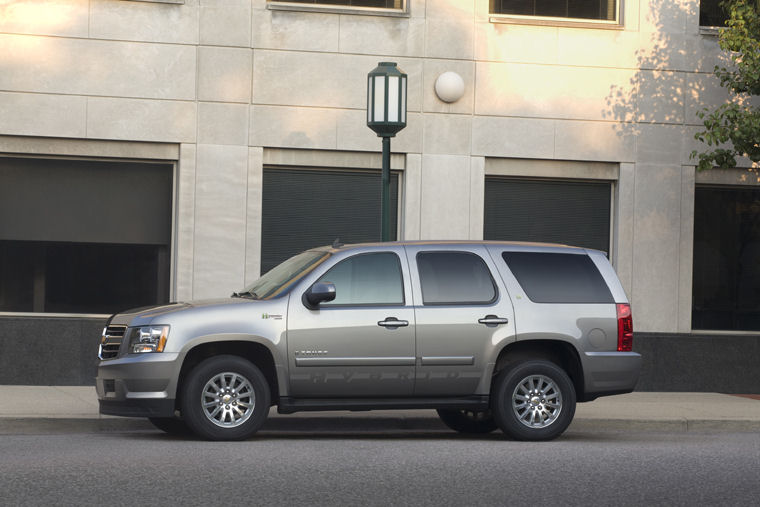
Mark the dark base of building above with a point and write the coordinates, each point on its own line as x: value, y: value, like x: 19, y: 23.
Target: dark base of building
x: 63, y: 351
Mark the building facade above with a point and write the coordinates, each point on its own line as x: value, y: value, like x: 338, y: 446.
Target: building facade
x: 171, y: 150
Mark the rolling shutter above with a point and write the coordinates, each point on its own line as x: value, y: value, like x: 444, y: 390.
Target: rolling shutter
x: 568, y: 212
x: 304, y: 208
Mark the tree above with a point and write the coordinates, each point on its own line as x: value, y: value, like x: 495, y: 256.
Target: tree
x: 733, y: 129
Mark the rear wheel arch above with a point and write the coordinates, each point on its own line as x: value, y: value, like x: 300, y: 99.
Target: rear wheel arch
x: 561, y: 353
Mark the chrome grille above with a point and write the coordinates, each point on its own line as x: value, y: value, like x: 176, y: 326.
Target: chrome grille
x: 111, y: 341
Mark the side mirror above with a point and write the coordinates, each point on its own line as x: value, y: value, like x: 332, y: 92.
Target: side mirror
x: 320, y: 292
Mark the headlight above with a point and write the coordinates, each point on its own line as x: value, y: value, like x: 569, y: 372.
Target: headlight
x: 148, y: 339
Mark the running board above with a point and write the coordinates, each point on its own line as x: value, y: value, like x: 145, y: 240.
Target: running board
x: 288, y: 405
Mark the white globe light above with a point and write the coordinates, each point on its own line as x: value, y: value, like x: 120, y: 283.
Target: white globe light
x: 449, y: 87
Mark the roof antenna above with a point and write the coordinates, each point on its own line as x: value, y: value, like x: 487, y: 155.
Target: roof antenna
x: 337, y: 243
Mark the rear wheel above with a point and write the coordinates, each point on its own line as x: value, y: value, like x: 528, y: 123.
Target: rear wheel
x: 533, y: 400
x: 468, y: 421
x: 225, y: 398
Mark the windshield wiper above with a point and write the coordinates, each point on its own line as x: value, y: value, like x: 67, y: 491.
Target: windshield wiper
x: 245, y: 294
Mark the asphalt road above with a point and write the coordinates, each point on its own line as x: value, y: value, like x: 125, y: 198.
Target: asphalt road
x: 404, y: 468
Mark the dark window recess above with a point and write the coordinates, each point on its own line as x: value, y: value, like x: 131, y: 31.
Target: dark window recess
x: 382, y: 4
x: 578, y: 9
x: 368, y: 279
x: 712, y: 13
x: 454, y: 278
x: 558, y: 278
x: 83, y: 236
x: 303, y: 209
x: 726, y: 278
x: 569, y: 213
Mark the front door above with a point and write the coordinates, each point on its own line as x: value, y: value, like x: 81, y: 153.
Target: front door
x: 362, y: 343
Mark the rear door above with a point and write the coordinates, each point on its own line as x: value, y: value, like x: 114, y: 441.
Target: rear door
x: 463, y: 315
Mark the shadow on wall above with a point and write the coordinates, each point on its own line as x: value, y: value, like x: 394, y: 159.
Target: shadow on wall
x: 661, y: 89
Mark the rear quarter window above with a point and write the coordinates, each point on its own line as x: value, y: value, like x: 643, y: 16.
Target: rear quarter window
x: 558, y: 277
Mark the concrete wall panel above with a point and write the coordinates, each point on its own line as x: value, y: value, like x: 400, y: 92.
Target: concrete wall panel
x: 541, y: 91
x: 63, y: 18
x: 90, y: 67
x: 220, y: 123
x: 299, y: 31
x: 224, y: 74
x: 370, y: 35
x: 43, y: 115
x: 145, y: 21
x: 141, y: 120
x: 512, y: 137
x: 293, y: 127
x: 225, y: 23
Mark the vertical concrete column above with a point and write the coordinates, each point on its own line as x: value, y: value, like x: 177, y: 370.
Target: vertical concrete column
x: 185, y: 223
x: 410, y: 228
x: 622, y: 249
x: 253, y: 214
x: 445, y: 197
x: 477, y: 196
x: 220, y: 220
x: 656, y: 247
x: 686, y: 249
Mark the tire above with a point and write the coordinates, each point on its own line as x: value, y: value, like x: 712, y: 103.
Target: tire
x: 533, y: 400
x: 171, y: 425
x: 467, y: 421
x: 225, y: 398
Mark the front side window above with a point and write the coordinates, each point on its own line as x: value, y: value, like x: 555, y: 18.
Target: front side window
x: 455, y: 278
x: 366, y: 279
x: 726, y: 280
x: 587, y: 10
x: 558, y: 277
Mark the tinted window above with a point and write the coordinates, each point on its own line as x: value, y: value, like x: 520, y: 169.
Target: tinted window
x: 726, y: 290
x: 369, y: 279
x: 558, y: 278
x: 454, y: 278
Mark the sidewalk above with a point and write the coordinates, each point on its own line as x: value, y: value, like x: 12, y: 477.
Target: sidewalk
x: 56, y: 409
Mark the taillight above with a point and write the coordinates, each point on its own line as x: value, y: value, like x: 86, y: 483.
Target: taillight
x: 625, y: 327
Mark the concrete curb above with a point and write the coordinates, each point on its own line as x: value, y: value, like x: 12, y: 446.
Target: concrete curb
x: 327, y: 425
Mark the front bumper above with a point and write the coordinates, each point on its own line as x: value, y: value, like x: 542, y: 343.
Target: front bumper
x: 138, y: 386
x: 608, y: 373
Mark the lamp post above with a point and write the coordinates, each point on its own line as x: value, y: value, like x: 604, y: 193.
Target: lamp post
x: 386, y: 115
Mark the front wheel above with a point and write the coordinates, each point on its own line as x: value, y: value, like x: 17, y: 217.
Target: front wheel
x: 468, y: 421
x: 225, y: 398
x: 533, y: 400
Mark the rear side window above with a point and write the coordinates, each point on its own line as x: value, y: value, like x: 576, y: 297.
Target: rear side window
x: 454, y: 278
x: 558, y: 277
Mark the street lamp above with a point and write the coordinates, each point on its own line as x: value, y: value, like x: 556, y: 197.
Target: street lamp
x: 386, y: 115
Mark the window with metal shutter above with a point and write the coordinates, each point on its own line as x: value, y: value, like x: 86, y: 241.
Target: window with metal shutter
x: 305, y: 208
x: 575, y: 213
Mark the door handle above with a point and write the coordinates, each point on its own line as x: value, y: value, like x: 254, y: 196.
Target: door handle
x: 393, y: 323
x: 493, y: 320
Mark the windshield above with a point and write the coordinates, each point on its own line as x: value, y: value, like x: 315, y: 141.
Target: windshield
x: 281, y: 277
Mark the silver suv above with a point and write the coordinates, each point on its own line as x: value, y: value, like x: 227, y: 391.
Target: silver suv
x: 490, y: 334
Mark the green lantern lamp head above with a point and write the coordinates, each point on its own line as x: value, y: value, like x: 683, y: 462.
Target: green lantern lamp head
x: 386, y: 99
